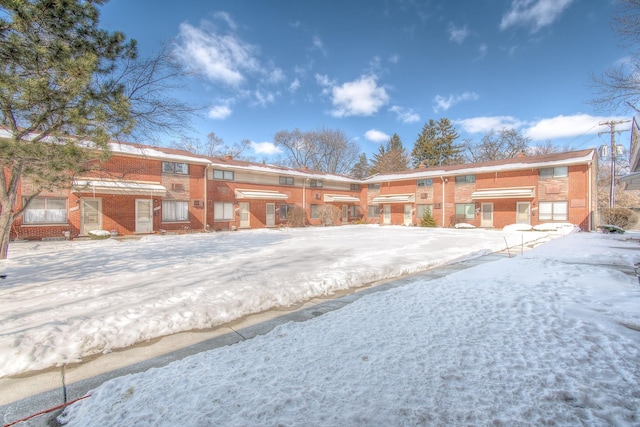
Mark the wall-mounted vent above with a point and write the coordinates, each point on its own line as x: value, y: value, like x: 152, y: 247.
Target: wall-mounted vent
x: 317, y: 196
x: 177, y: 187
x: 197, y: 203
x: 424, y: 196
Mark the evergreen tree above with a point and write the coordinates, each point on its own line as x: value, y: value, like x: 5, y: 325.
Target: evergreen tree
x: 435, y: 145
x: 362, y: 169
x: 390, y: 158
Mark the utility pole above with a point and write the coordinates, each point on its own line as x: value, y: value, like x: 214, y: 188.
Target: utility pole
x: 612, y: 126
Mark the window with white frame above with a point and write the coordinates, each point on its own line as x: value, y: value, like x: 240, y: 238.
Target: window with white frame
x: 465, y: 179
x: 373, y: 211
x: 173, y: 167
x: 558, y: 172
x: 222, y: 211
x: 353, y: 210
x: 175, y: 210
x: 315, y: 183
x: 46, y: 210
x: 374, y: 186
x: 466, y: 209
x: 422, y: 210
x: 428, y: 182
x: 284, y: 210
x: 354, y: 187
x: 220, y: 174
x: 286, y: 180
x: 553, y: 211
x: 315, y: 211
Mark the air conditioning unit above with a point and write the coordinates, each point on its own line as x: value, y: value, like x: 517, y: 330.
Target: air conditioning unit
x: 424, y: 196
x: 317, y: 196
x: 197, y: 203
x: 177, y: 187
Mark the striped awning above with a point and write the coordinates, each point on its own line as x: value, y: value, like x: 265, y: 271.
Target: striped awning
x: 260, y: 194
x: 394, y: 198
x: 133, y: 188
x: 505, y: 193
x: 340, y: 198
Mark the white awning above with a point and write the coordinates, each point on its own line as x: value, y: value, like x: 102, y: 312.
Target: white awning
x: 134, y: 188
x: 260, y: 194
x: 505, y: 193
x: 340, y: 198
x: 395, y: 198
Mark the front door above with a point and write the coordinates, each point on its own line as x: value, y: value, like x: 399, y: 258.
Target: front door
x: 386, y: 219
x: 345, y: 214
x: 91, y: 214
x: 144, y: 216
x: 486, y: 219
x: 523, y: 213
x: 244, y: 215
x: 408, y: 214
x: 271, y: 214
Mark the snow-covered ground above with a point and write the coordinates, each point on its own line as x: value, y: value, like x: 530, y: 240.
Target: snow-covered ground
x: 62, y: 301
x: 551, y: 337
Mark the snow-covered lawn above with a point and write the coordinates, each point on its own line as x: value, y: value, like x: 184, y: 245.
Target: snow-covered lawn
x: 63, y: 301
x: 551, y: 337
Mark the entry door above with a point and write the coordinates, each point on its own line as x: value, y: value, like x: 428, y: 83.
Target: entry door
x: 91, y: 215
x: 271, y: 214
x: 523, y: 215
x: 144, y: 216
x: 386, y: 219
x: 244, y: 215
x: 487, y: 215
x: 345, y: 214
x: 408, y: 217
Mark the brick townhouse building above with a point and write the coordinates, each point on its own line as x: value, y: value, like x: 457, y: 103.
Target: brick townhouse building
x: 143, y: 189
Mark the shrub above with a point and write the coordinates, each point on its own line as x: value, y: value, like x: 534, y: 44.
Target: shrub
x: 620, y: 217
x: 458, y: 218
x: 428, y: 221
x: 296, y: 216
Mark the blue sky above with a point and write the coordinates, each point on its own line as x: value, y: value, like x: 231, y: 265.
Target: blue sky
x: 373, y: 68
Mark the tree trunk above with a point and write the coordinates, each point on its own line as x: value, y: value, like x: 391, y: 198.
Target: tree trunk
x: 6, y: 220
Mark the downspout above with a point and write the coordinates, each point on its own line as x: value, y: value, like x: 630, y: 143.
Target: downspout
x: 589, y: 198
x: 204, y: 186
x: 443, y: 204
x: 304, y: 198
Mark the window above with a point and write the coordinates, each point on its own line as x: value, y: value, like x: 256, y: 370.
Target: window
x: 466, y: 209
x: 222, y: 211
x: 353, y: 210
x: 374, y: 186
x: 227, y: 175
x: 286, y: 180
x: 45, y: 210
x: 172, y: 167
x: 373, y: 210
x: 284, y: 211
x: 354, y: 187
x: 559, y: 172
x: 425, y: 182
x: 315, y: 211
x: 174, y: 210
x: 465, y: 179
x: 315, y: 183
x: 553, y: 211
x: 422, y: 210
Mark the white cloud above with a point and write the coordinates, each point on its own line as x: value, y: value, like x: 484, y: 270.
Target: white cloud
x: 226, y: 18
x: 567, y: 126
x: 458, y: 34
x: 482, y: 51
x: 265, y: 148
x: 294, y: 86
x: 405, y: 115
x: 219, y: 112
x: 263, y: 98
x: 361, y: 97
x: 394, y: 59
x: 533, y: 13
x: 222, y: 58
x: 376, y: 135
x: 486, y: 124
x: 443, y: 104
x: 318, y: 44
x: 541, y: 130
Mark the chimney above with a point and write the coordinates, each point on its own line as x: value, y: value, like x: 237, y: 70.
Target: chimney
x: 520, y: 155
x: 421, y: 166
x: 305, y: 168
x: 228, y: 157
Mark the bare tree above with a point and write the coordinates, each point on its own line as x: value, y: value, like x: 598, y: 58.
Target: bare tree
x: 496, y: 145
x: 619, y: 85
x: 214, y: 146
x: 325, y: 150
